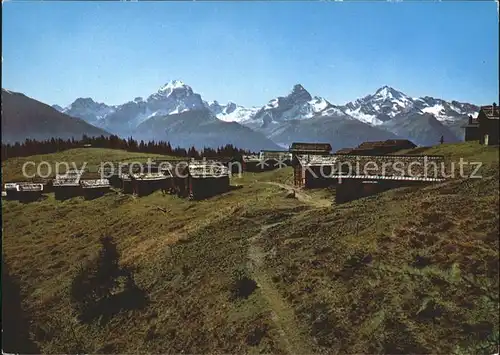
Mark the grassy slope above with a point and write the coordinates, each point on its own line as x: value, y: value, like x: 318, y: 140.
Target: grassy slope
x: 390, y: 273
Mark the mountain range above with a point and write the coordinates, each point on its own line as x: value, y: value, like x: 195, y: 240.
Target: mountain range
x: 178, y: 114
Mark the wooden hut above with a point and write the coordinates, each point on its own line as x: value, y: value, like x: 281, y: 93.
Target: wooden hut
x: 311, y: 171
x: 488, y: 126
x: 112, y: 174
x: 67, y: 185
x: 47, y: 184
x: 94, y: 188
x: 360, y: 176
x: 276, y: 158
x: 206, y: 180
x: 234, y: 164
x: 11, y: 190
x: 29, y: 192
x: 310, y: 148
x: 180, y: 176
x: 126, y: 184
x: 355, y: 176
x: 253, y: 163
x: 471, y: 130
x: 145, y: 184
x: 198, y: 179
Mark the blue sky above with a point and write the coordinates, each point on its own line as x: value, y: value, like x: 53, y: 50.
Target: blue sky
x: 250, y: 52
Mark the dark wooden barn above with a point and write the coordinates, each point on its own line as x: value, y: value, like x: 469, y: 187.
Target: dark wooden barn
x: 29, y: 192
x: 126, y: 184
x: 360, y: 176
x: 11, y: 190
x: 234, y: 164
x: 471, y: 130
x: 207, y: 180
x: 112, y: 174
x: 313, y: 171
x: 488, y: 119
x: 200, y: 179
x: 67, y: 185
x: 276, y: 158
x: 310, y: 149
x: 253, y: 163
x: 302, y: 152
x: 94, y: 188
x: 485, y: 127
x: 66, y: 188
x: 47, y: 183
x: 356, y: 176
x: 146, y: 184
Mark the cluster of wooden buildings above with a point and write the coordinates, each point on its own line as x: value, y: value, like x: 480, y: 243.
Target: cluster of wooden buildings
x: 364, y: 170
x: 194, y: 180
x: 367, y: 169
x: 24, y: 191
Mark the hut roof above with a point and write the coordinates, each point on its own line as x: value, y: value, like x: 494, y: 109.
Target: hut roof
x: 399, y: 142
x: 247, y: 158
x: 393, y: 167
x: 311, y: 147
x: 29, y: 187
x: 208, y: 170
x: 275, y: 154
x: 317, y: 160
x: 491, y: 111
x: 220, y: 159
x: 151, y: 176
x: 94, y: 183
x: 387, y: 143
x: 344, y: 151
x: 11, y: 186
x: 396, y: 167
x: 66, y: 181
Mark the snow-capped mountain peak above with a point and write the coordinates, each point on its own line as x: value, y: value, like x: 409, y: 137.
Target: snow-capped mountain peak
x: 299, y: 94
x: 172, y: 85
x: 383, y: 105
x: 230, y: 112
x: 388, y: 94
x: 387, y: 103
x: 318, y: 104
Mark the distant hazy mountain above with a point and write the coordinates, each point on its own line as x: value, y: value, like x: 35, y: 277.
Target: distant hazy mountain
x: 420, y: 128
x: 24, y: 117
x: 202, y: 129
x: 339, y: 131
